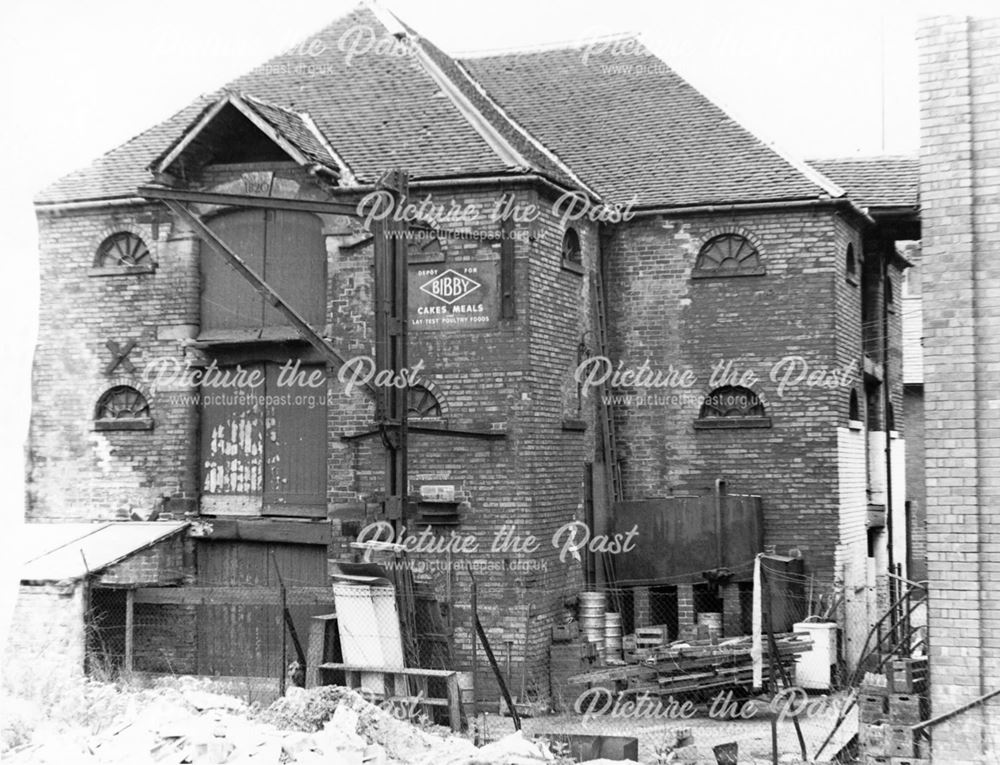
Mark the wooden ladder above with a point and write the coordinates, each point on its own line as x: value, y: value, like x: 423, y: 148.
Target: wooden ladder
x: 605, y: 408
x: 606, y: 415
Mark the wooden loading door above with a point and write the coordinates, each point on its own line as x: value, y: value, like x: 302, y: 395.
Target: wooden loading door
x: 245, y: 639
x: 286, y: 249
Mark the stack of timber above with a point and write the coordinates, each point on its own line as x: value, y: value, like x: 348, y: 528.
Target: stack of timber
x: 693, y: 666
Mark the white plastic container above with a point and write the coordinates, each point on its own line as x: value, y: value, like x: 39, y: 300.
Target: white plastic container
x: 814, y: 669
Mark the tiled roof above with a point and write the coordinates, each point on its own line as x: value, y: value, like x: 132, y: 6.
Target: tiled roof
x: 119, y: 172
x: 498, y: 120
x: 377, y: 110
x: 294, y: 127
x: 644, y: 133
x: 875, y: 181
x: 629, y: 125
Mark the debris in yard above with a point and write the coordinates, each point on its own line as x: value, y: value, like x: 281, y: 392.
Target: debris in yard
x: 171, y: 726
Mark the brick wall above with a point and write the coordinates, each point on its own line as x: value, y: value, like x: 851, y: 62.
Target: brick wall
x: 801, y: 307
x: 76, y: 472
x: 47, y: 632
x: 162, y: 564
x: 166, y: 638
x: 960, y: 115
x: 519, y: 375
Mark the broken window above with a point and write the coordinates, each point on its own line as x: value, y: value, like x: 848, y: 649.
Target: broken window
x: 122, y: 408
x: 264, y: 441
x: 286, y: 249
x: 728, y: 255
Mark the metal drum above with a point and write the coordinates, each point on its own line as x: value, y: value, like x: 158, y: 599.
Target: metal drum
x: 592, y: 608
x: 613, y: 634
x: 713, y: 621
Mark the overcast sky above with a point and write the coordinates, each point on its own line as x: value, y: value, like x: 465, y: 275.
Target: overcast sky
x: 78, y: 78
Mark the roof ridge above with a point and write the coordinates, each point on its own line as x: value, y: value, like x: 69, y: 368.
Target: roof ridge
x: 537, y: 143
x: 866, y: 158
x: 509, y: 154
x: 547, y: 47
x: 347, y: 176
x: 389, y: 20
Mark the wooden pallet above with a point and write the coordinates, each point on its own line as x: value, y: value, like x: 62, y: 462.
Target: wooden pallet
x: 683, y: 667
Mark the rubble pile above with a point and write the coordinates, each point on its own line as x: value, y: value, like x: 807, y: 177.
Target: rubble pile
x: 191, y: 726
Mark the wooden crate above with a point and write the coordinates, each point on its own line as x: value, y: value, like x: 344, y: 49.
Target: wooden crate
x: 872, y: 708
x: 873, y: 738
x: 907, y: 676
x: 901, y: 741
x: 652, y: 637
x: 906, y: 709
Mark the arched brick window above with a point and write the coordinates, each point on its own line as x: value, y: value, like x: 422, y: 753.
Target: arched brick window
x: 854, y: 412
x: 422, y: 403
x: 122, y: 408
x: 571, y: 249
x: 732, y: 407
x: 123, y: 250
x: 728, y: 255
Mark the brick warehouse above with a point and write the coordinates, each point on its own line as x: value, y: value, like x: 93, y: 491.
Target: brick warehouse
x: 712, y: 253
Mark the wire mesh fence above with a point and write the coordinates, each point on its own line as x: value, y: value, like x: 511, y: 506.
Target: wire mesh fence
x: 670, y: 664
x: 262, y: 635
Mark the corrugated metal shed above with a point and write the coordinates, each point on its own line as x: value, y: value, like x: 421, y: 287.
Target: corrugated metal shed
x: 57, y: 551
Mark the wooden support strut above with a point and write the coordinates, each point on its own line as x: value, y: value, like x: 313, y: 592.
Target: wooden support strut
x: 257, y: 282
x: 164, y: 194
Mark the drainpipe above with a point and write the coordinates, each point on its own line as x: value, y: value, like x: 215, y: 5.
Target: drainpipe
x: 886, y: 403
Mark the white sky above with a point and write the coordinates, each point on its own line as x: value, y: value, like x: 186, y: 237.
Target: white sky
x: 78, y: 78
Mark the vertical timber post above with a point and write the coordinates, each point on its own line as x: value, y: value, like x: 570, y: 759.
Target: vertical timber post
x: 129, y: 630
x: 474, y: 607
x: 391, y: 402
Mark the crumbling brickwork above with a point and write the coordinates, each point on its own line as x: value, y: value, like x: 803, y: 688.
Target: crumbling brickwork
x: 48, y: 627
x: 76, y: 472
